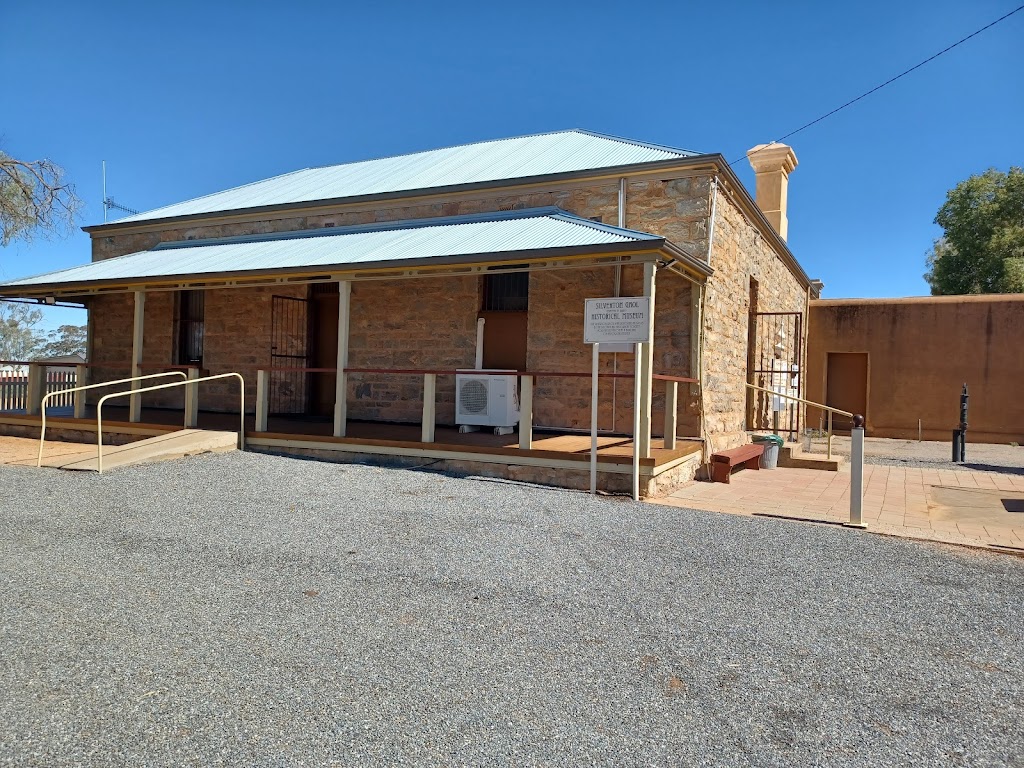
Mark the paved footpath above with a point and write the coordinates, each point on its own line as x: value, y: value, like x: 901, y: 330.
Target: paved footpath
x: 957, y: 507
x: 25, y: 450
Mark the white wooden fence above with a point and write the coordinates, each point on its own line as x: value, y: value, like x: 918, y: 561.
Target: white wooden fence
x: 14, y: 390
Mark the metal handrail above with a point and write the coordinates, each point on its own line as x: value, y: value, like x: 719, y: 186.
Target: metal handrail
x: 42, y: 403
x: 827, y: 408
x: 129, y: 392
x: 801, y: 400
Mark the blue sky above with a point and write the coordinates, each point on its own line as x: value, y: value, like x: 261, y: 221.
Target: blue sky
x: 186, y: 98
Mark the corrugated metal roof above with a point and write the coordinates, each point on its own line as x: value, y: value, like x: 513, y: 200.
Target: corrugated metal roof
x: 490, y: 234
x: 514, y: 158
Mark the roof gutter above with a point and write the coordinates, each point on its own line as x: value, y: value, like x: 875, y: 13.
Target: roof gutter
x: 691, y: 264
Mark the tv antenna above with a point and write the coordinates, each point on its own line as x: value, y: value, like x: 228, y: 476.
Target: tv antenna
x: 108, y: 202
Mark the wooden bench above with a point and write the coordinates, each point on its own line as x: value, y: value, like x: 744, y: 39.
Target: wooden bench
x: 722, y: 463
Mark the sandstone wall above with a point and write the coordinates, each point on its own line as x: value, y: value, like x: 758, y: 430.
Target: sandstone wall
x: 237, y: 326
x: 419, y: 323
x: 739, y: 253
x: 430, y: 322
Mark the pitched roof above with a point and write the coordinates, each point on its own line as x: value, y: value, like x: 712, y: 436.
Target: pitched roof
x: 490, y: 237
x: 513, y: 158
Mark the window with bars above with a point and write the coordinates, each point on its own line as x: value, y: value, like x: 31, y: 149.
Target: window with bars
x: 507, y: 291
x: 191, y: 311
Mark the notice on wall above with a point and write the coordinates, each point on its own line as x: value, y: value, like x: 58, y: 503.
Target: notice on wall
x: 618, y: 320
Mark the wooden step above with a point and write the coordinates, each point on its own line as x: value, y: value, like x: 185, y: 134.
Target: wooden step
x: 173, y: 445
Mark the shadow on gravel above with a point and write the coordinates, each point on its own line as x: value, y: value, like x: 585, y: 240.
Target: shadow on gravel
x: 1006, y: 470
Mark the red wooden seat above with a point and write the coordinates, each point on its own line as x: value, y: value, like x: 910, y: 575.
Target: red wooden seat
x: 722, y: 463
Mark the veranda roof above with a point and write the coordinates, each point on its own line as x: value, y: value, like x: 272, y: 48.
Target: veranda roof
x: 525, y: 235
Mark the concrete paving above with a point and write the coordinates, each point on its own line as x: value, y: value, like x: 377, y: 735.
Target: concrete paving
x: 952, y: 506
x: 22, y: 451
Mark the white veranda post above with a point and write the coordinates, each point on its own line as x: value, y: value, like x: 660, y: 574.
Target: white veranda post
x: 138, y: 327
x: 341, y: 381
x: 646, y: 366
x: 595, y: 369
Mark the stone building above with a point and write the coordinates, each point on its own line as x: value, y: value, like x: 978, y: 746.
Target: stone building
x: 388, y: 266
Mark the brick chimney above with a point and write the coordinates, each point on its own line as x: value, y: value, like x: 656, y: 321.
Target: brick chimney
x: 772, y: 164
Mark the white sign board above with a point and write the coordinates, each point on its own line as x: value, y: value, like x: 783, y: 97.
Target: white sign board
x: 617, y: 320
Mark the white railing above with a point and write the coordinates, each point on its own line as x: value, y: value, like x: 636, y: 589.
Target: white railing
x: 14, y: 389
x: 827, y: 408
x: 187, y: 382
x: 42, y: 406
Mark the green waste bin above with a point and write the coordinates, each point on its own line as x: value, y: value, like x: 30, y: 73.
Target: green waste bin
x: 772, y: 444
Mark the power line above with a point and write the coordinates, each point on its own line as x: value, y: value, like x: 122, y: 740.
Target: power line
x: 888, y: 82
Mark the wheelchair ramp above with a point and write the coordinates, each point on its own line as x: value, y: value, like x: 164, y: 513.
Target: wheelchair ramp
x: 173, y: 445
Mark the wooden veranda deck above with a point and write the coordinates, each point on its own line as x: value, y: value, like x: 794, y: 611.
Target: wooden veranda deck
x: 303, y: 436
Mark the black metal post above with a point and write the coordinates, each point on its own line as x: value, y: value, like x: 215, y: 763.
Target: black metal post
x: 963, y: 424
x: 956, y: 446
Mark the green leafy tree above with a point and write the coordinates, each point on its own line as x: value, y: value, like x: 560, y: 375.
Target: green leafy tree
x: 19, y: 339
x: 35, y: 198
x: 982, y: 247
x: 66, y: 340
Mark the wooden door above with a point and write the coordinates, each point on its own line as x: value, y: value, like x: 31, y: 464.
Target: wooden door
x: 324, y: 345
x: 505, y: 340
x: 846, y: 385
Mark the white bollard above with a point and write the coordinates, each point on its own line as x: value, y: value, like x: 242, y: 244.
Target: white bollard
x: 856, y: 473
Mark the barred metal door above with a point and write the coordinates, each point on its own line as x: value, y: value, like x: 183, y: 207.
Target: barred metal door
x: 775, y: 361
x: 289, y: 348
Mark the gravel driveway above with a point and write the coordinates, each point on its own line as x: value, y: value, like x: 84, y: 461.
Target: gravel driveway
x: 253, y: 610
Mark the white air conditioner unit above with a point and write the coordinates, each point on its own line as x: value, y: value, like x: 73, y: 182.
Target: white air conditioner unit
x: 488, y: 399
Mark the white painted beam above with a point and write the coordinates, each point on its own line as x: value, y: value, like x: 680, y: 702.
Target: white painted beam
x: 192, y: 400
x: 646, y: 367
x: 138, y: 327
x: 262, y: 399
x: 429, y: 407
x: 36, y: 389
x: 671, y: 406
x: 80, y: 373
x: 695, y: 335
x: 526, y: 413
x: 341, y: 382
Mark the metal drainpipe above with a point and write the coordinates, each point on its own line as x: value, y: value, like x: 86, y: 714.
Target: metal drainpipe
x: 711, y: 224
x: 622, y: 225
x: 806, y: 329
x: 617, y: 292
